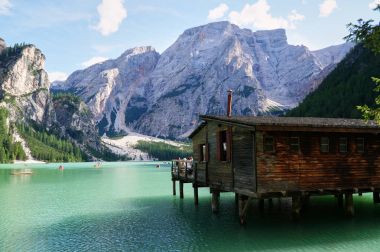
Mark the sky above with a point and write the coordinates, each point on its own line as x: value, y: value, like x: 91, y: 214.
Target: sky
x: 74, y: 34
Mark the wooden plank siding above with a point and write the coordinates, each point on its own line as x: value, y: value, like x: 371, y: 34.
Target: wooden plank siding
x: 219, y: 172
x: 198, y: 140
x: 243, y: 159
x: 310, y: 169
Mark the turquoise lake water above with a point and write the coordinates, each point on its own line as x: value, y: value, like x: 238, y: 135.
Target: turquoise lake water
x: 128, y: 206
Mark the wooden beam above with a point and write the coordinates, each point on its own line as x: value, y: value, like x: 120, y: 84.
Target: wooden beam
x: 349, y: 204
x: 196, y: 201
x: 296, y: 207
x: 339, y: 198
x: 215, y: 201
x: 174, y: 188
x: 181, y: 189
x: 243, y: 208
x: 376, y: 197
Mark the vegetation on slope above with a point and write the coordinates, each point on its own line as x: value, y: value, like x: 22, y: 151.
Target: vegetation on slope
x: 346, y: 87
x: 12, y: 51
x: 9, y: 150
x: 48, y: 147
x: 164, y: 151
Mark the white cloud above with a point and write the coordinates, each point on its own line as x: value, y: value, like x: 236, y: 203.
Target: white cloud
x: 218, y: 12
x: 5, y: 7
x: 93, y: 61
x: 112, y: 13
x: 327, y: 7
x: 295, y: 16
x: 374, y: 4
x: 57, y: 76
x: 258, y: 16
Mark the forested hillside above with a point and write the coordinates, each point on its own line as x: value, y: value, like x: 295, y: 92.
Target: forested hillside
x: 349, y: 85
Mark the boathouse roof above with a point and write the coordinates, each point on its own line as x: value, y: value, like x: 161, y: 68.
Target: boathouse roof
x: 308, y: 122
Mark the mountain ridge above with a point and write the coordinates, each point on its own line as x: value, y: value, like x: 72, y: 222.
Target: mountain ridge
x: 163, y: 95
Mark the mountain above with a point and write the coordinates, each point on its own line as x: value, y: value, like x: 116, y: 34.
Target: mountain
x: 53, y: 127
x: 163, y: 95
x: 347, y: 86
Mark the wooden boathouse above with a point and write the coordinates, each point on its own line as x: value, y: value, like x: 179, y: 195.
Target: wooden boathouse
x: 263, y: 157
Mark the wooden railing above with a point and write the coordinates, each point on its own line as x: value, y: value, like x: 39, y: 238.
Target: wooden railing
x: 183, y: 169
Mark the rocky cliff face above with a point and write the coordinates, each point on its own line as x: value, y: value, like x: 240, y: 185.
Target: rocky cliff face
x: 24, y: 89
x: 163, y: 95
x: 25, y: 83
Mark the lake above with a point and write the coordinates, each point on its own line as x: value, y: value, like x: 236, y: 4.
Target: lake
x: 128, y: 206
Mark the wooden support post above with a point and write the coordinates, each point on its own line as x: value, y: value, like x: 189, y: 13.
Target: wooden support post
x: 296, y: 207
x: 174, y: 188
x: 376, y: 197
x: 339, y: 198
x: 195, y: 186
x: 243, y: 208
x: 261, y: 205
x: 181, y: 189
x: 270, y: 202
x: 305, y: 202
x: 236, y: 199
x: 349, y: 204
x: 215, y: 201
x: 360, y: 194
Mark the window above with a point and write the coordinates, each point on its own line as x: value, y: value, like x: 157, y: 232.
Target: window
x: 268, y: 144
x: 325, y: 144
x: 202, y: 153
x: 360, y: 144
x: 223, y: 148
x: 343, y: 144
x: 294, y: 143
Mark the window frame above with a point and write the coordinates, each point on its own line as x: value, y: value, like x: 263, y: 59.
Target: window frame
x: 203, y: 153
x: 324, y: 144
x: 224, y: 145
x: 362, y: 144
x: 340, y: 145
x: 292, y: 144
x: 266, y: 145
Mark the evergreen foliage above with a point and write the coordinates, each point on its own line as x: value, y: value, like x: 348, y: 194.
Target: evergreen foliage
x: 12, y: 51
x: 164, y: 151
x: 48, y: 147
x: 369, y: 35
x: 346, y: 87
x: 9, y: 150
x: 107, y: 155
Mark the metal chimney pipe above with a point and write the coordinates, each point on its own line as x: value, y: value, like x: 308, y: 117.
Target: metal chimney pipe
x: 229, y: 103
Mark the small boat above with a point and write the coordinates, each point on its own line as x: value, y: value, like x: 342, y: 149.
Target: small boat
x: 22, y: 172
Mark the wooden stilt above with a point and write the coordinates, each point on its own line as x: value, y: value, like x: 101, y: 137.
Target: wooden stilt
x: 305, y: 202
x: 360, y: 194
x: 296, y: 207
x: 270, y: 202
x: 376, y: 197
x: 215, y: 201
x: 195, y: 194
x: 261, y: 205
x: 174, y: 188
x: 181, y: 189
x: 236, y: 199
x: 339, y: 198
x: 243, y: 208
x: 349, y: 204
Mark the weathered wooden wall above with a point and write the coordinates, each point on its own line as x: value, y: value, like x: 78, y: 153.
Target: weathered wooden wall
x: 198, y: 139
x: 243, y: 163
x: 310, y: 169
x: 220, y: 174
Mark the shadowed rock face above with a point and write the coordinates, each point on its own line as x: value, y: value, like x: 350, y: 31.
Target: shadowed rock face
x: 163, y: 95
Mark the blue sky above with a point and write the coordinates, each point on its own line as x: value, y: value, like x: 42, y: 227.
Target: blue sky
x: 75, y: 33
